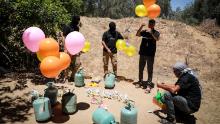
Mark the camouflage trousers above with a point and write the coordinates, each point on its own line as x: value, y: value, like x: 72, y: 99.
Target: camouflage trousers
x: 113, y: 58
x: 74, y: 66
x: 69, y: 73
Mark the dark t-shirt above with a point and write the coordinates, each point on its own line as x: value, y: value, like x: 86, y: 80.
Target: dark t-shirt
x: 190, y: 89
x: 67, y: 29
x: 110, y: 39
x: 148, y: 43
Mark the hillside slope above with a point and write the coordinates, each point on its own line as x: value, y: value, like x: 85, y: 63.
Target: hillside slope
x: 178, y: 41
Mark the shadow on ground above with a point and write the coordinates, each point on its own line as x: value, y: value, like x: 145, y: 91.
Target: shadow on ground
x: 14, y: 109
x: 82, y: 106
x: 180, y: 118
x: 58, y: 116
x: 122, y: 78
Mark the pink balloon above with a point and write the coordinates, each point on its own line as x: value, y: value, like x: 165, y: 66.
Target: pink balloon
x: 74, y: 42
x: 32, y: 37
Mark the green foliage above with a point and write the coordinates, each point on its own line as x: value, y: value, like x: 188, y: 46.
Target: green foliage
x: 74, y: 7
x: 217, y: 13
x: 46, y: 14
x: 16, y: 16
x: 196, y: 12
x: 187, y: 15
x: 109, y: 8
x: 165, y: 8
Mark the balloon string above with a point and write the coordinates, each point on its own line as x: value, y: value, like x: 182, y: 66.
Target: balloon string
x: 127, y: 29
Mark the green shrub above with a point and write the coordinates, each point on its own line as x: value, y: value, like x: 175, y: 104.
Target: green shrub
x: 17, y: 15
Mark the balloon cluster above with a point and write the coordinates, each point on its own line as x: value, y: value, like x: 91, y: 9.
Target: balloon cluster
x: 128, y: 49
x: 47, y: 50
x: 148, y: 8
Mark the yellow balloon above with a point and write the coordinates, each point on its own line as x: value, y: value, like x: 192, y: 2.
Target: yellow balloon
x: 141, y: 10
x: 120, y: 44
x: 39, y: 57
x: 87, y: 46
x: 130, y: 51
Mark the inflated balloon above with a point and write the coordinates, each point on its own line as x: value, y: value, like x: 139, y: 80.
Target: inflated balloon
x: 120, y: 44
x: 50, y: 67
x: 86, y: 47
x: 148, y: 3
x: 74, y: 42
x: 48, y: 47
x: 65, y: 60
x: 130, y: 50
x: 31, y: 38
x: 153, y: 11
x: 39, y: 57
x: 141, y: 11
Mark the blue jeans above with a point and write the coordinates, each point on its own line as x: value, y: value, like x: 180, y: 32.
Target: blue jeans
x: 178, y: 101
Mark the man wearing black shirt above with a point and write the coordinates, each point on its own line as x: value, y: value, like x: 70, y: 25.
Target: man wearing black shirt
x: 184, y: 95
x: 75, y: 63
x: 147, y: 51
x: 66, y: 29
x: 109, y: 40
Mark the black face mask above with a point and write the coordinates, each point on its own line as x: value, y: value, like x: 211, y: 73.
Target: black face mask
x: 112, y: 27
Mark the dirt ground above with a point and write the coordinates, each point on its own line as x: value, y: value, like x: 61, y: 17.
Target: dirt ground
x: 178, y: 42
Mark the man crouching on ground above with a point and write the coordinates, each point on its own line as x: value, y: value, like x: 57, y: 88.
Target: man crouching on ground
x: 185, y: 95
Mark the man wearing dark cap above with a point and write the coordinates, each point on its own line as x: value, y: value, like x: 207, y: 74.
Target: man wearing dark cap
x: 185, y: 95
x: 75, y: 23
x: 109, y: 39
x: 147, y: 53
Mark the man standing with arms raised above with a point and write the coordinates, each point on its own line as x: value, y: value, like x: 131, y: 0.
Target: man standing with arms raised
x: 147, y: 53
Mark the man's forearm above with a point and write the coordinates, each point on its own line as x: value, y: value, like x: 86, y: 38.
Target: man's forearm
x: 166, y: 87
x: 139, y: 31
x: 105, y: 46
x: 170, y: 88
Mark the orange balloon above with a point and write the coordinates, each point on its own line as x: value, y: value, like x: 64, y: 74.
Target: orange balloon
x: 153, y: 11
x: 50, y: 67
x: 148, y: 3
x: 65, y: 60
x: 48, y: 47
